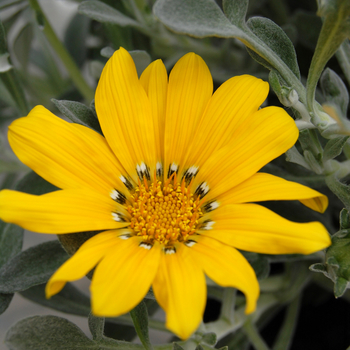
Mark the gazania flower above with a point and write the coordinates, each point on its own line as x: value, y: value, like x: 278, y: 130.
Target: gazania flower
x: 171, y: 185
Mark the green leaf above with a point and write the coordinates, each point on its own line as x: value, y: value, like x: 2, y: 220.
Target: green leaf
x: 198, y: 18
x: 210, y: 338
x: 31, y: 267
x: 22, y: 44
x: 277, y: 40
x: 341, y: 190
x: 5, y: 300
x: 293, y: 156
x: 344, y: 219
x: 139, y: 317
x: 176, y: 346
x: 47, y: 333
x: 11, y: 240
x: 69, y: 300
x: 32, y: 183
x: 334, y: 147
x: 74, y: 38
x: 142, y: 59
x: 52, y: 333
x: 3, y: 41
x: 101, y: 12
x: 340, y: 287
x: 96, y: 326
x: 78, y: 113
x: 236, y: 11
x: 259, y: 263
x: 334, y: 90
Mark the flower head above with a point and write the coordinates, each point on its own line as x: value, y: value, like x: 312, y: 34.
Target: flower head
x: 170, y: 185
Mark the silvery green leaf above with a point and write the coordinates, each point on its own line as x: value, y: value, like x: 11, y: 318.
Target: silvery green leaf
x: 139, y: 317
x: 107, y: 52
x: 210, y: 338
x: 176, y: 346
x: 334, y: 90
x: 5, y: 65
x: 103, y: 13
x: 34, y: 184
x: 341, y: 190
x: 142, y: 59
x: 273, y: 36
x: 69, y: 300
x: 31, y: 267
x: 23, y: 43
x: 293, y: 156
x: 236, y: 11
x: 53, y: 333
x: 199, y: 18
x: 334, y: 147
x: 78, y: 113
x: 96, y: 326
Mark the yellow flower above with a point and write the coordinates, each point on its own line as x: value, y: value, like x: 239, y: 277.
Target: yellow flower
x: 171, y: 185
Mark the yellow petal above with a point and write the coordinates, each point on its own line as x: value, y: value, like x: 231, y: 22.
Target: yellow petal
x: 125, y: 114
x: 62, y: 211
x: 154, y: 79
x: 231, y: 105
x: 254, y: 228
x: 264, y: 136
x: 67, y: 155
x: 266, y: 187
x: 190, y: 88
x: 227, y: 267
x: 180, y: 289
x: 123, y: 277
x: 83, y: 261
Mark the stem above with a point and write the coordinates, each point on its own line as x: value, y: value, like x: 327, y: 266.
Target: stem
x: 72, y: 68
x: 254, y: 336
x: 228, y: 304
x: 285, y: 336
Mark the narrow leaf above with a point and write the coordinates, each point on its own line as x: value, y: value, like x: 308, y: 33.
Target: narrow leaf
x: 140, y: 318
x: 334, y: 147
x: 341, y: 190
x: 70, y: 300
x: 101, y: 12
x: 31, y: 267
x: 199, y: 18
x: 78, y: 113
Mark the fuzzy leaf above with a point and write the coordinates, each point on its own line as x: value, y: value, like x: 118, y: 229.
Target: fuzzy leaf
x: 34, y: 184
x: 139, y: 317
x: 334, y: 90
x: 236, y: 11
x: 341, y: 190
x: 210, y: 338
x: 78, y: 113
x: 69, y: 300
x: 96, y: 326
x: 31, y: 267
x: 103, y: 13
x: 176, y: 346
x: 334, y: 147
x: 52, y: 333
x: 199, y: 18
x: 277, y: 40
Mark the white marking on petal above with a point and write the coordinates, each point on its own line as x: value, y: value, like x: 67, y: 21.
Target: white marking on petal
x: 125, y: 237
x: 159, y: 166
x: 208, y: 225
x: 170, y: 251
x: 145, y: 245
x: 143, y: 167
x: 192, y: 170
x: 214, y: 205
x: 190, y: 243
x: 174, y: 167
x: 114, y: 194
x: 116, y: 217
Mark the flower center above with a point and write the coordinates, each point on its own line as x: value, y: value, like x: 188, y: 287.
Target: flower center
x: 166, y: 214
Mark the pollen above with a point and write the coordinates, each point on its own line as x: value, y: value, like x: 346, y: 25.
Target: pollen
x: 164, y: 212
